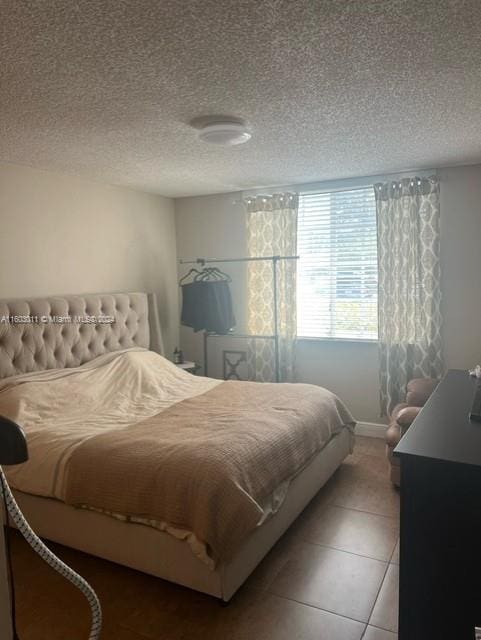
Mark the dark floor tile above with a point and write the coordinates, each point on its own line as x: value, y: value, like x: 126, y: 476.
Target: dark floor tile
x: 365, y: 486
x: 268, y: 569
x: 336, y: 581
x: 372, y: 633
x: 115, y: 632
x: 354, y: 531
x: 57, y: 621
x: 250, y: 615
x: 385, y: 613
x: 370, y: 446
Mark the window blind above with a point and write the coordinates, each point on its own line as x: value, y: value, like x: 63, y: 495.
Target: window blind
x: 337, y: 270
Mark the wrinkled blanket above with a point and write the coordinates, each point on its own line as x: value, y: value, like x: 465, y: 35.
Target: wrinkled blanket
x: 208, y: 463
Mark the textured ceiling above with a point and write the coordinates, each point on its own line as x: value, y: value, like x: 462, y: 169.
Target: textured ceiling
x: 106, y: 89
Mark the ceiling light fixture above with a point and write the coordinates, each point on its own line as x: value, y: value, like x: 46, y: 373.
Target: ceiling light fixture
x: 225, y: 134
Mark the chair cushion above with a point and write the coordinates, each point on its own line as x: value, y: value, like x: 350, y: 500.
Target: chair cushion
x: 395, y: 412
x: 419, y: 390
x: 403, y: 415
x: 393, y: 435
x: 406, y: 416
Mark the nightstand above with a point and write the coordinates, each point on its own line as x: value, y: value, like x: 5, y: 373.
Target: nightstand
x: 191, y: 367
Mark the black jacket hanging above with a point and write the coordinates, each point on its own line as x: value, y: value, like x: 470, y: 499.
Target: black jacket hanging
x: 207, y: 306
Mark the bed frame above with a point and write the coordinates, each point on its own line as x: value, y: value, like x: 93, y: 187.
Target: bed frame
x: 41, y: 345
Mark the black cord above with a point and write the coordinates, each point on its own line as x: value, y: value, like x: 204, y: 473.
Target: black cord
x: 8, y: 553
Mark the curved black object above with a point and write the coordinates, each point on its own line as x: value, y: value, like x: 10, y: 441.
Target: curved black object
x: 13, y: 445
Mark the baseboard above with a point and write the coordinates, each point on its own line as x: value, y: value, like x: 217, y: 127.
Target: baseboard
x: 371, y: 429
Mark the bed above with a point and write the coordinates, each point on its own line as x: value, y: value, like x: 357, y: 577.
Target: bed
x: 186, y: 478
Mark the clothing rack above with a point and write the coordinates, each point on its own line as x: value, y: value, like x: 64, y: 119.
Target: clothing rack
x: 275, y: 261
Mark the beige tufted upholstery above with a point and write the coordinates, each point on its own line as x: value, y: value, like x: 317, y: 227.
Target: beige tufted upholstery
x: 35, y: 346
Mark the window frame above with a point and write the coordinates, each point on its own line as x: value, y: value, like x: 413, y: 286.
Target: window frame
x: 333, y: 339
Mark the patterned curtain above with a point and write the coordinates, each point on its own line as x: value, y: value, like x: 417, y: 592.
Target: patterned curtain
x: 271, y: 231
x: 410, y: 343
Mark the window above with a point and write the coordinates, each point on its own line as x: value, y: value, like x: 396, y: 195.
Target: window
x: 337, y: 270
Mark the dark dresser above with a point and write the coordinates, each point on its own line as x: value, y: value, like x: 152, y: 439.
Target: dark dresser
x: 440, y: 553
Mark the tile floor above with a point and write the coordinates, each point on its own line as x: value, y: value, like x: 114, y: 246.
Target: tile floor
x: 333, y: 576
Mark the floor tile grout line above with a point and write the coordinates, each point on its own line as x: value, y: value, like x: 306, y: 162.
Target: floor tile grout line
x: 371, y: 513
x: 393, y: 552
x: 313, y: 606
x: 352, y: 553
x: 130, y: 630
x: 376, y: 626
x: 377, y: 594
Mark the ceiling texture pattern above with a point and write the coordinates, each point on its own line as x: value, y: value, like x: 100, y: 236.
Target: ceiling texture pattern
x: 105, y: 89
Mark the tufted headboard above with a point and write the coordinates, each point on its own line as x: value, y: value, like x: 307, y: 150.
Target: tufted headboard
x: 67, y: 331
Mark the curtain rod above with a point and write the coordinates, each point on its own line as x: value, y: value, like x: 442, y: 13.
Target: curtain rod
x: 203, y: 261
x: 426, y: 174
x: 304, y: 192
x: 245, y: 200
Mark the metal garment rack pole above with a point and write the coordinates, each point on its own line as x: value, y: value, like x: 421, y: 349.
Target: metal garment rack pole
x: 275, y: 261
x: 202, y: 261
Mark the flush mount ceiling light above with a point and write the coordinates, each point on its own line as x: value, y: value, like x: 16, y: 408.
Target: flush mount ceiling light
x: 224, y: 134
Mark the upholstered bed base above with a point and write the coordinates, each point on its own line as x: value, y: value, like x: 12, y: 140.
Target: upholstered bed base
x: 160, y: 554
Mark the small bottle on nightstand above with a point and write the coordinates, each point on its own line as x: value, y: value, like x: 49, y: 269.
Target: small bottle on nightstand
x: 178, y: 356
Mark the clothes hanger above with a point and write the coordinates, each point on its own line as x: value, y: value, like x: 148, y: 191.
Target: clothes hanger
x: 207, y: 274
x: 213, y: 274
x: 187, y: 275
x: 222, y: 275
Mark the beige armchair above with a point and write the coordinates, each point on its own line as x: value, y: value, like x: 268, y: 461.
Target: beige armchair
x: 403, y: 415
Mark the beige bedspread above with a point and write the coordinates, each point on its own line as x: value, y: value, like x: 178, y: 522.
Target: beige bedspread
x: 208, y: 463
x: 132, y: 435
x: 61, y: 408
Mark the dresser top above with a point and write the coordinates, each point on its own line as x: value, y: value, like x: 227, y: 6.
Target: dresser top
x: 443, y: 430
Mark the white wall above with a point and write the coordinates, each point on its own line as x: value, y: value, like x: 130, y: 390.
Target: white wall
x: 213, y: 226
x: 461, y: 264
x: 60, y: 234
